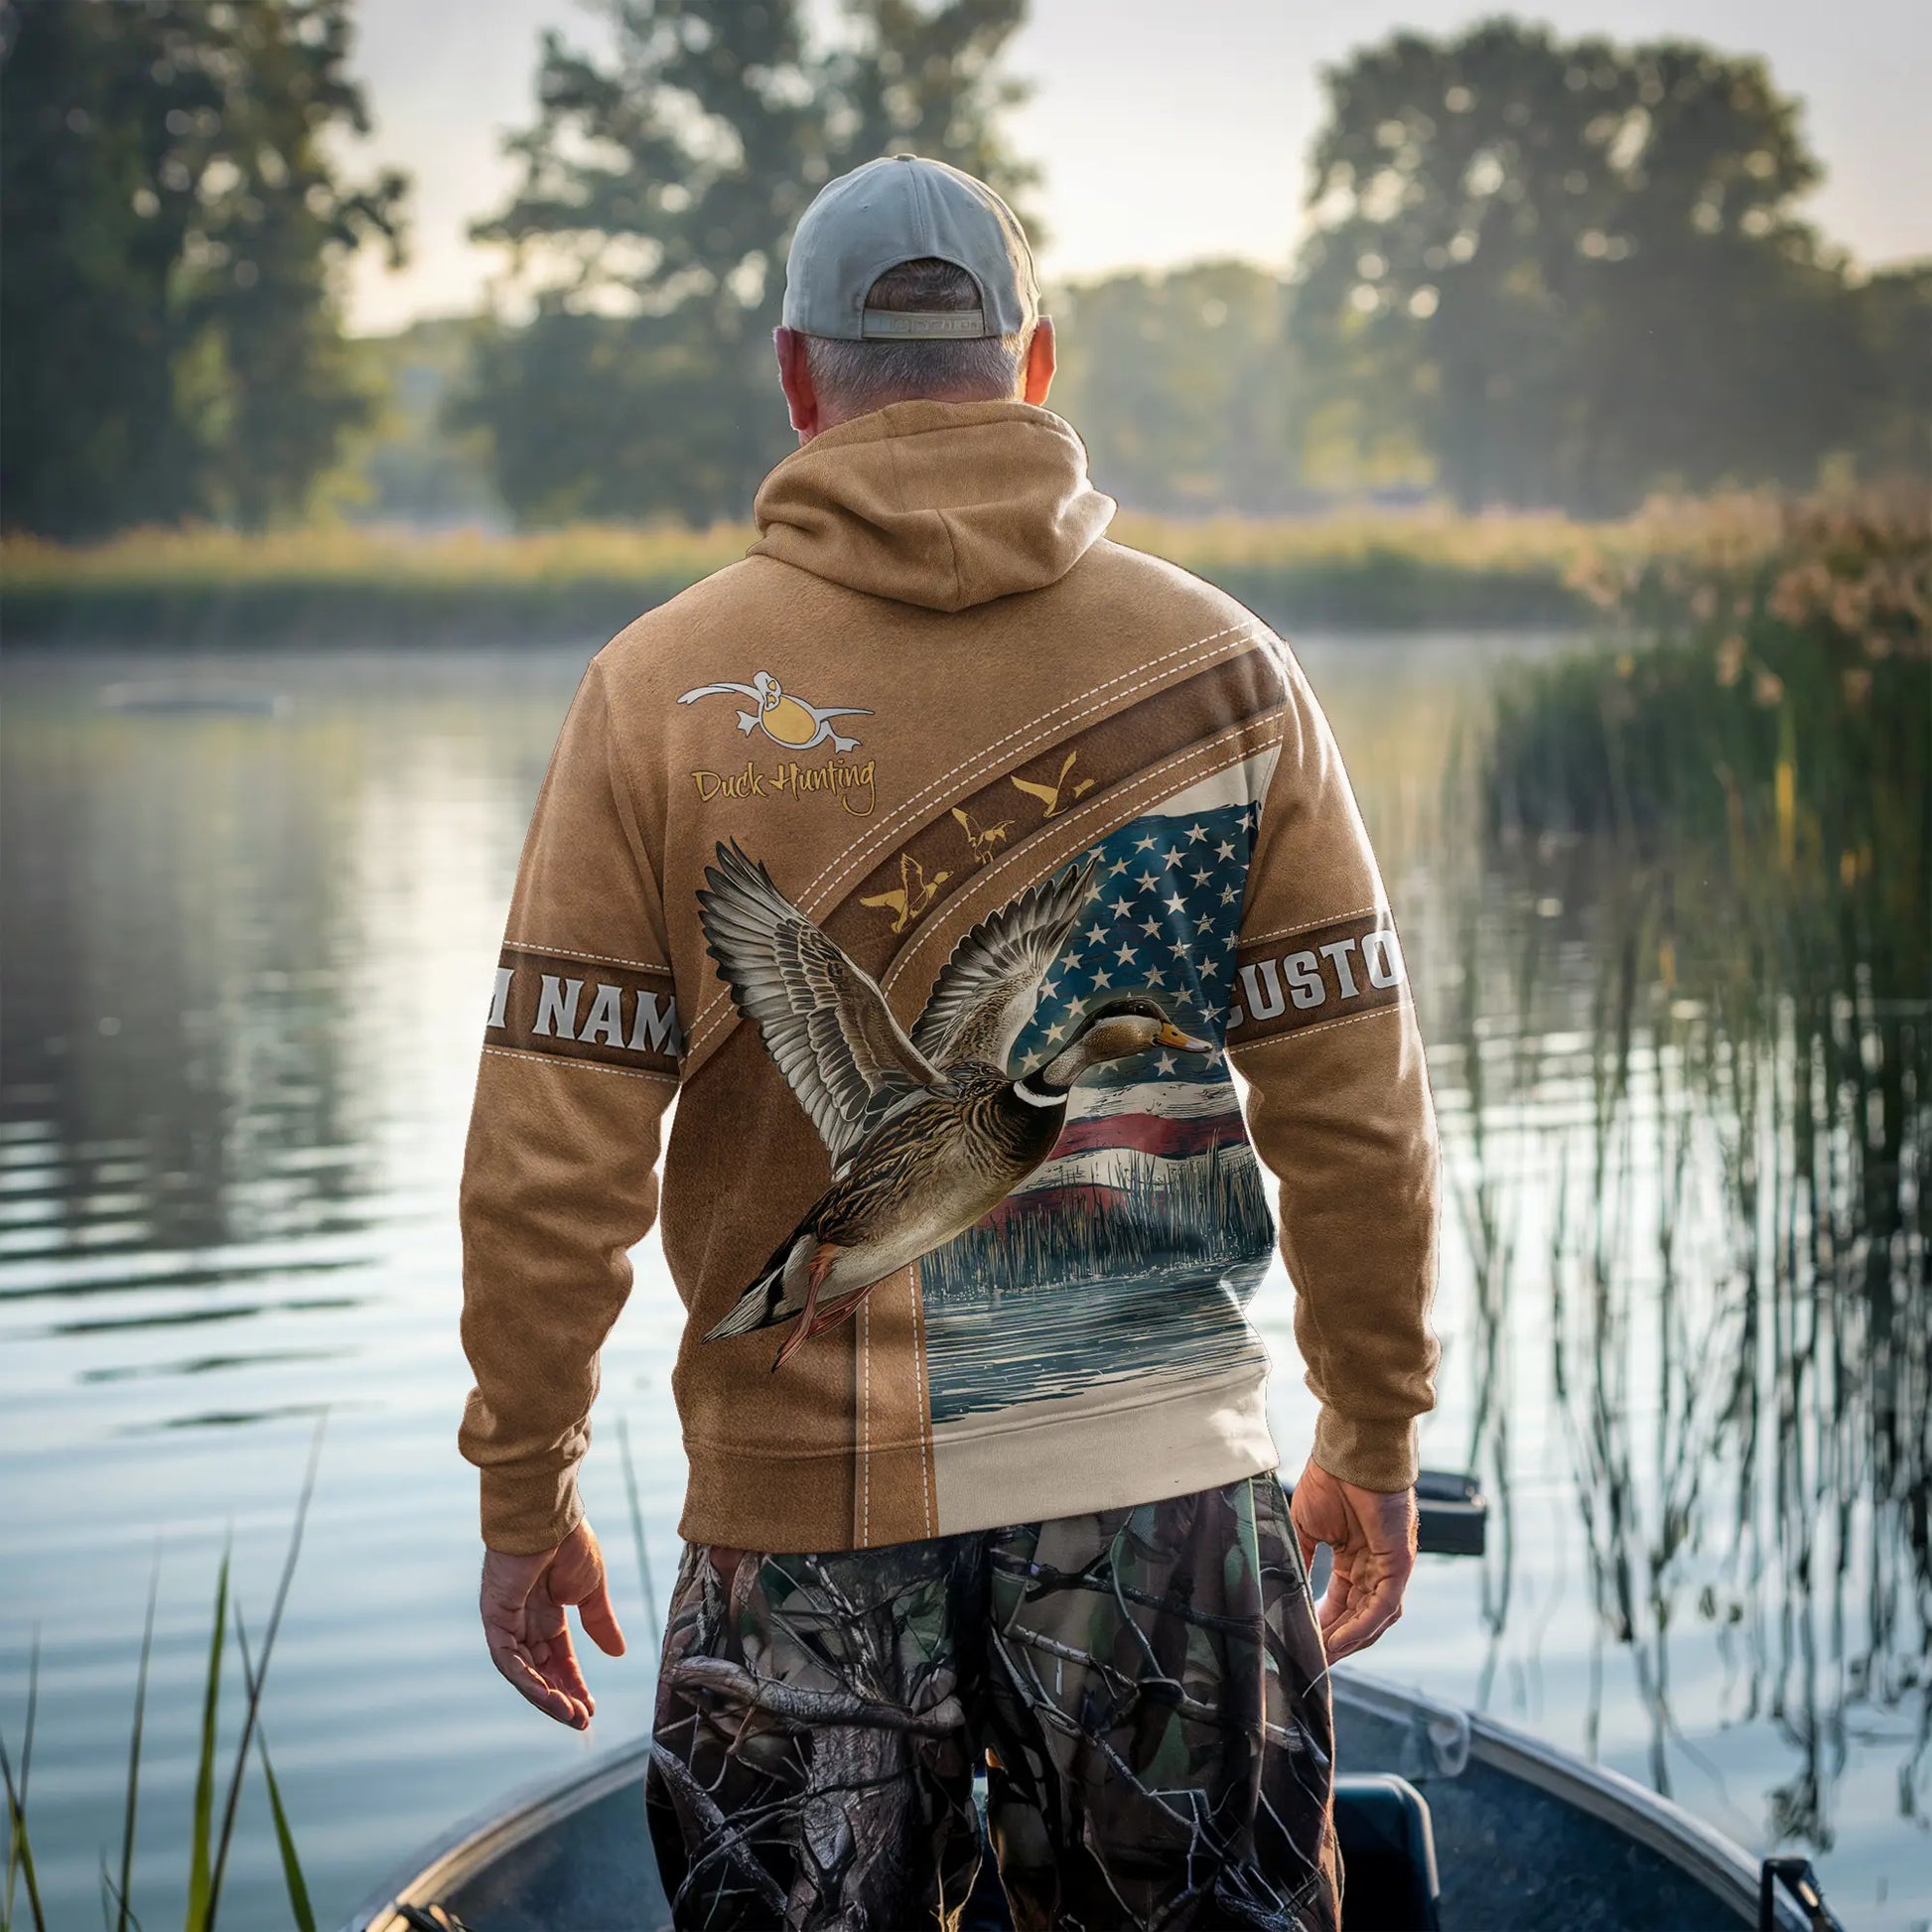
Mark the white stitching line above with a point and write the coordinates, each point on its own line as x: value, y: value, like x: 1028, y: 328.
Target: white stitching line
x: 1044, y: 727
x: 1312, y: 925
x: 592, y: 1066
x: 1320, y: 1027
x: 864, y: 1424
x: 1113, y: 801
x: 919, y: 1393
x: 859, y: 856
x: 594, y: 958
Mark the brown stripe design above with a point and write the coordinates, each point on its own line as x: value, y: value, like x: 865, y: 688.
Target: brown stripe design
x: 1322, y: 974
x: 1065, y: 840
x: 594, y: 1010
x: 936, y: 803
x: 885, y: 911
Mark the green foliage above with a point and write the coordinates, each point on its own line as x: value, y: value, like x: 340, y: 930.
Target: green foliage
x: 1181, y: 385
x: 132, y: 1803
x: 201, y: 1892
x: 300, y: 1909
x: 1573, y: 273
x: 1742, y: 801
x: 208, y: 1851
x: 157, y: 586
x: 172, y: 217
x: 20, y: 1846
x: 660, y: 192
x: 411, y: 464
x: 1764, y: 769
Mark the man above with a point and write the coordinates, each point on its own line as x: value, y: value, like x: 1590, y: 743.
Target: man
x: 943, y: 857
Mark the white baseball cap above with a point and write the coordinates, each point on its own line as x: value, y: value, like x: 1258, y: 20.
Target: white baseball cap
x: 900, y: 210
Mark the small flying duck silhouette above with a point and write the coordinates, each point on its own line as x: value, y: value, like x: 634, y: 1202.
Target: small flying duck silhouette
x: 1050, y: 795
x: 916, y: 893
x: 784, y: 718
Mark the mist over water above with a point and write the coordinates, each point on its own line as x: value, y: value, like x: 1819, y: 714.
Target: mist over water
x: 247, y: 950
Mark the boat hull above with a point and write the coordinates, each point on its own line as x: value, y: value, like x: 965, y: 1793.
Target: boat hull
x: 1527, y: 1836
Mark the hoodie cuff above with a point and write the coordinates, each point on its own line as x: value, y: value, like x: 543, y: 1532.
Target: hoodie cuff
x: 1375, y: 1456
x: 528, y: 1512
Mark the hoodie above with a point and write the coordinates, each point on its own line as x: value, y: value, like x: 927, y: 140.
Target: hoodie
x: 945, y: 862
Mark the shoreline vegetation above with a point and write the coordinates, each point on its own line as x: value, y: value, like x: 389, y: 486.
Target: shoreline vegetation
x: 1743, y: 804
x: 1355, y: 568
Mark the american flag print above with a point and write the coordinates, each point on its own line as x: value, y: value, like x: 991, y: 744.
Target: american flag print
x: 1132, y: 1254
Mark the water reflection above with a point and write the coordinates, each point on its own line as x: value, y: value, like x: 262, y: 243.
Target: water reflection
x: 244, y: 956
x: 1695, y: 1094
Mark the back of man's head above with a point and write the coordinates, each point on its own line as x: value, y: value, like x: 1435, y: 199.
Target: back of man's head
x: 853, y: 377
x: 907, y: 281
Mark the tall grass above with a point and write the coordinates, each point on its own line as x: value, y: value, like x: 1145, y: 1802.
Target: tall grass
x: 1742, y: 797
x: 211, y: 1835
x: 1217, y: 1202
x: 364, y: 584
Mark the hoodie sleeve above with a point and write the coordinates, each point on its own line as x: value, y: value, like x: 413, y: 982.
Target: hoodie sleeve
x: 1324, y: 1032
x: 580, y: 1060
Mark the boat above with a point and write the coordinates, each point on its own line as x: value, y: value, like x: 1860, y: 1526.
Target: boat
x: 194, y: 699
x: 1448, y: 1820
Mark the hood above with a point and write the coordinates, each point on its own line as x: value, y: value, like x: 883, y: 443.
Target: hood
x: 943, y: 504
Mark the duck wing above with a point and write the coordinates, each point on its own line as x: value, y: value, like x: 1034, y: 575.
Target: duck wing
x: 824, y: 1020
x: 985, y: 993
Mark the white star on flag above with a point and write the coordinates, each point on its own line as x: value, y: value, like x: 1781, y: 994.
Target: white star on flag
x: 1168, y: 929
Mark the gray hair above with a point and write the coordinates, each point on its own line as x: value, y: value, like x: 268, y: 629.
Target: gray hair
x: 856, y: 377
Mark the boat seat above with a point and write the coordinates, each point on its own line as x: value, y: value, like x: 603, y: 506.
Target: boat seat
x: 1388, y: 1852
x: 1388, y: 1856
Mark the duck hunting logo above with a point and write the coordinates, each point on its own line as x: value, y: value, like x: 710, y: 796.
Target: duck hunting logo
x: 798, y: 726
x: 784, y: 718
x: 929, y: 1131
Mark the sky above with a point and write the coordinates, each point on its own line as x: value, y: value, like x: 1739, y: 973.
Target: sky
x: 1169, y: 130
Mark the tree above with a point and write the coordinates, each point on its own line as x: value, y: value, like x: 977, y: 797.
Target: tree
x: 1180, y: 385
x: 1575, y: 270
x: 659, y: 190
x: 1895, y: 312
x: 170, y: 221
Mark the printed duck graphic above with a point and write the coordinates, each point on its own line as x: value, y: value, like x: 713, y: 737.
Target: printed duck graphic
x: 784, y: 718
x: 928, y: 1133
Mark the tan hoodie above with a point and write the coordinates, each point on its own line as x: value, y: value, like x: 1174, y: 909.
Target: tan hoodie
x: 939, y: 859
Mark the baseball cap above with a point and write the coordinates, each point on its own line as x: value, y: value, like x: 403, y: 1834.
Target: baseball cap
x: 898, y: 210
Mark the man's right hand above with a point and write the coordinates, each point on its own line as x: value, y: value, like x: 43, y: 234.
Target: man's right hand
x: 1373, y: 1539
x: 523, y: 1601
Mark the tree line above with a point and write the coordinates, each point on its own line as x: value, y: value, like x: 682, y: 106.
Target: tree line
x: 169, y: 220
x: 1537, y: 272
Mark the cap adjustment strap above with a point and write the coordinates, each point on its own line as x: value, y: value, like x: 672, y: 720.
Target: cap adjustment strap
x: 922, y: 324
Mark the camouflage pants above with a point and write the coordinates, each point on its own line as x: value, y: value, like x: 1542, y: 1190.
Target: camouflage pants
x: 1146, y: 1687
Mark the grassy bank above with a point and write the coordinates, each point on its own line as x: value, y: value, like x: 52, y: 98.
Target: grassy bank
x: 1354, y: 570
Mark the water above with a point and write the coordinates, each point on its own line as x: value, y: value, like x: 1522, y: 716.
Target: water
x: 245, y: 955
x: 1074, y: 1337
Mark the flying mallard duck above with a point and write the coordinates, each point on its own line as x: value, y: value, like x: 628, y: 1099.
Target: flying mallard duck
x: 926, y: 1133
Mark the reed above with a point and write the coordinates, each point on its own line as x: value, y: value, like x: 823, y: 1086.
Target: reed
x: 1739, y: 803
x: 347, y: 581
x: 211, y: 1833
x: 1058, y: 1238
x: 20, y: 1848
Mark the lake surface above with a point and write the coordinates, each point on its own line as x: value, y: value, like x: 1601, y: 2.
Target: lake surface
x: 246, y: 955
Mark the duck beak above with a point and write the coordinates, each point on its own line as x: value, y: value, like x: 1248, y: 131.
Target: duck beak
x: 1171, y: 1036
